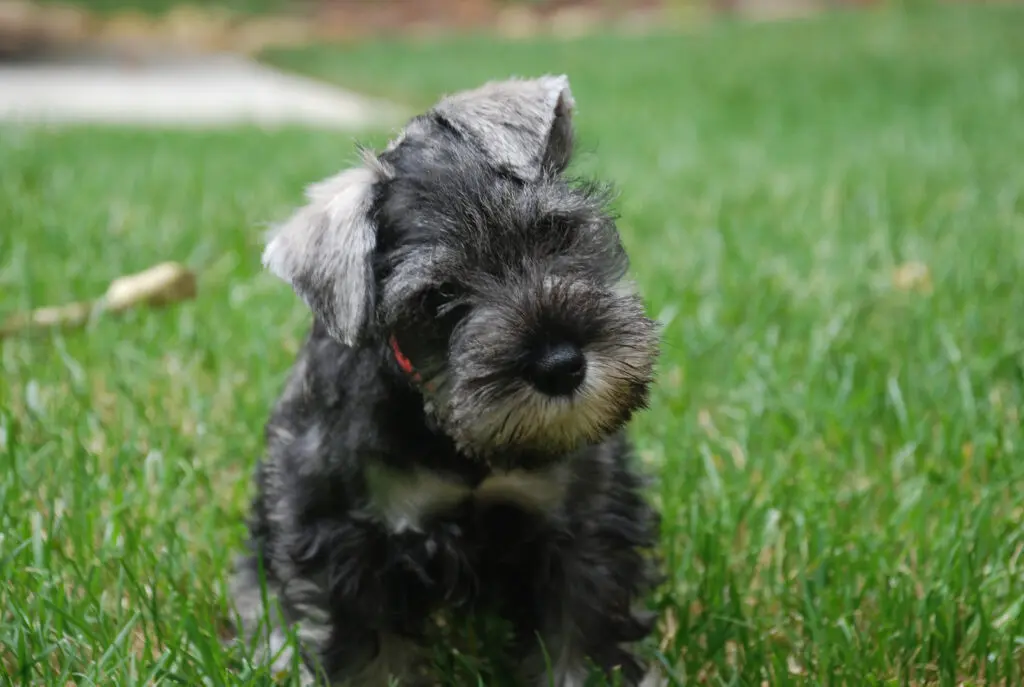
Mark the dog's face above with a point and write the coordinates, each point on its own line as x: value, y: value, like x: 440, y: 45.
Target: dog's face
x: 501, y: 283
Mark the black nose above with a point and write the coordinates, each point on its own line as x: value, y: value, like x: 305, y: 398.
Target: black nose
x: 559, y: 369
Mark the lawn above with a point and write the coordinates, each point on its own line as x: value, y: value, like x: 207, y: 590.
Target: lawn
x: 839, y: 453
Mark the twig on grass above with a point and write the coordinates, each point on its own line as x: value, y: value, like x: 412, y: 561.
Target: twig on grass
x: 158, y: 286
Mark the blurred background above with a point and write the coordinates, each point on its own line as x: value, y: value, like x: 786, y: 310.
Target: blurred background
x: 80, y: 60
x: 30, y: 26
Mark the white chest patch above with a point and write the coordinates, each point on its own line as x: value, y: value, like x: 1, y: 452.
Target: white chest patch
x: 404, y: 498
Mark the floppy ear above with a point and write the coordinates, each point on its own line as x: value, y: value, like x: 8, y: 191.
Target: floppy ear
x: 324, y: 251
x: 522, y: 124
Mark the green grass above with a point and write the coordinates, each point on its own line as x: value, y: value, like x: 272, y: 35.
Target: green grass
x: 840, y: 461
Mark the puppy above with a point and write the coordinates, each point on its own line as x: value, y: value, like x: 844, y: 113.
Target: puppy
x: 451, y: 436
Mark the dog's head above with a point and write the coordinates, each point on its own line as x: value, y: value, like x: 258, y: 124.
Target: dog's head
x: 500, y: 287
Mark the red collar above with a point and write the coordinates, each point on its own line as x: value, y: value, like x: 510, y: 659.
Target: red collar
x: 404, y: 362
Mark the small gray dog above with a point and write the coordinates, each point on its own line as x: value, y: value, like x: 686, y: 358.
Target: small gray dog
x: 452, y: 435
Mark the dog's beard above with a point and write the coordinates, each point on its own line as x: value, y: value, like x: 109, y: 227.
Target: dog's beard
x: 479, y: 393
x: 510, y: 416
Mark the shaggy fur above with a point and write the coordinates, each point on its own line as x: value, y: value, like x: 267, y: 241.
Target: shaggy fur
x: 452, y: 433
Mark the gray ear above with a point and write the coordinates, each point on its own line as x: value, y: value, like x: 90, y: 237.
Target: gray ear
x: 523, y: 124
x: 324, y: 251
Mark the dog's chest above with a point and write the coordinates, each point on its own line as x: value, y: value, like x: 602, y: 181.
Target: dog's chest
x: 406, y: 499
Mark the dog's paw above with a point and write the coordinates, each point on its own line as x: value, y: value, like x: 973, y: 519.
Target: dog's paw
x: 654, y: 678
x: 425, y: 553
x: 442, y: 538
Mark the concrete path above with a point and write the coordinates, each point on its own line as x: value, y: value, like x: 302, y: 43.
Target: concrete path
x: 207, y: 91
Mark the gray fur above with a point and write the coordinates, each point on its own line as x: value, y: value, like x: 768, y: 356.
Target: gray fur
x: 495, y: 476
x: 324, y: 249
x: 520, y: 123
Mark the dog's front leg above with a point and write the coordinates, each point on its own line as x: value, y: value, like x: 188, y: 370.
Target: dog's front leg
x: 584, y: 627
x: 589, y: 608
x: 268, y: 610
x: 334, y: 648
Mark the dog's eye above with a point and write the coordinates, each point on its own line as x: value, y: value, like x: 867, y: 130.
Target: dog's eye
x: 441, y: 300
x: 439, y: 296
x: 448, y: 291
x: 445, y: 303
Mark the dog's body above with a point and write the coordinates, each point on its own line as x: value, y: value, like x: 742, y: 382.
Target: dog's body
x: 451, y: 436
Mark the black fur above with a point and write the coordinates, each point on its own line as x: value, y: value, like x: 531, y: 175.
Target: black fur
x: 474, y: 266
